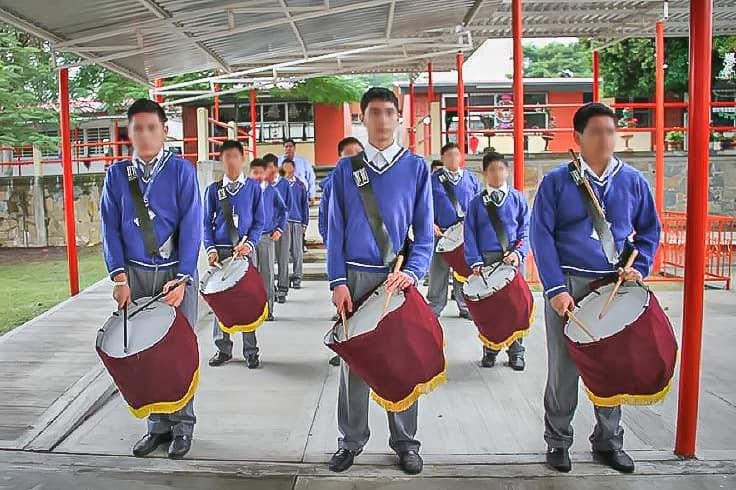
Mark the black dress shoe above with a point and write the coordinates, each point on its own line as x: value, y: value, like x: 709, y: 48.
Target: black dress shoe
x: 253, y: 361
x: 148, y: 443
x: 180, y: 446
x: 219, y: 359
x: 517, y: 363
x: 489, y: 358
x: 558, y: 458
x: 410, y: 462
x: 616, y: 459
x: 296, y: 283
x: 281, y: 299
x: 342, y: 460
x: 270, y: 318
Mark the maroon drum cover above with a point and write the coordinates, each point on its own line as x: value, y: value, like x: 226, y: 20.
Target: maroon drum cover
x: 451, y: 248
x: 400, y: 355
x: 236, y: 294
x: 501, y: 305
x: 159, y: 373
x: 632, y: 355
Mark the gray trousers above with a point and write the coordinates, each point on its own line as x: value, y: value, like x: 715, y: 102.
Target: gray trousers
x: 264, y: 259
x: 353, y: 397
x: 516, y: 349
x: 149, y: 282
x: 296, y: 247
x: 282, y: 260
x: 222, y: 338
x: 561, y: 392
x: 439, y: 274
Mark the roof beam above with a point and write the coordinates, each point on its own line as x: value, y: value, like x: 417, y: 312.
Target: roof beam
x: 163, y: 14
x: 297, y: 34
x: 472, y: 12
x: 390, y: 19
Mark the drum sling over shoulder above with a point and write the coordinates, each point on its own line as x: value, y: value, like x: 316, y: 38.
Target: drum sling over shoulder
x: 150, y: 240
x: 498, y: 227
x: 445, y: 181
x: 227, y: 213
x: 378, y: 227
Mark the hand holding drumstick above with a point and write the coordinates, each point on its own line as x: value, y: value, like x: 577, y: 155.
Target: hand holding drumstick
x: 627, y: 273
x: 396, y: 279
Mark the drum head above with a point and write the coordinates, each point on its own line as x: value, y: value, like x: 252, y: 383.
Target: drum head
x: 628, y: 305
x: 487, y: 284
x: 144, y: 330
x: 216, y: 280
x: 450, y: 239
x: 370, y: 312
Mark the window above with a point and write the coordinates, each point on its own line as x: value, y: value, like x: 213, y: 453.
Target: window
x: 276, y: 121
x: 96, y: 135
x: 724, y: 116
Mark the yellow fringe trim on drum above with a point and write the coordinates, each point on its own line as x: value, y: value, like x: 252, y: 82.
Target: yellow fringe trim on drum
x: 513, y: 338
x: 459, y: 278
x: 616, y: 400
x: 246, y: 328
x: 168, y: 407
x: 419, y: 390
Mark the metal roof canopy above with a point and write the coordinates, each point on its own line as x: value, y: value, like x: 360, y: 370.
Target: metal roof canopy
x: 258, y: 44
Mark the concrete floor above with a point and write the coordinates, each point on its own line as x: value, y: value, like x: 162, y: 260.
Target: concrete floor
x: 285, y: 411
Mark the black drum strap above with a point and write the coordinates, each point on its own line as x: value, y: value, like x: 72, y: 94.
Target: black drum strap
x: 150, y: 241
x: 492, y: 211
x: 378, y: 227
x: 445, y: 181
x: 600, y: 225
x: 227, y: 213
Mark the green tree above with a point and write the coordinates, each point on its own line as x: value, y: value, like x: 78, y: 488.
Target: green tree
x: 323, y: 90
x: 557, y: 60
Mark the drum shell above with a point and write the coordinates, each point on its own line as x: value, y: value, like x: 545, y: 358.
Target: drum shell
x: 456, y: 259
x: 243, y: 307
x: 504, y: 316
x: 161, y: 378
x: 634, y: 366
x: 402, y: 358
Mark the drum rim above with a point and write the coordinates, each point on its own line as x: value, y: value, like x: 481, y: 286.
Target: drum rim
x: 103, y: 330
x: 211, y: 270
x: 459, y: 225
x: 330, y: 334
x: 578, y: 305
x: 477, y: 298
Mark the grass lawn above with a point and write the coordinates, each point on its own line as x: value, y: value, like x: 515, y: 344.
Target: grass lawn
x: 34, y: 280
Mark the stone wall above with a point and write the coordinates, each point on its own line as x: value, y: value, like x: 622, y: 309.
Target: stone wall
x: 29, y: 221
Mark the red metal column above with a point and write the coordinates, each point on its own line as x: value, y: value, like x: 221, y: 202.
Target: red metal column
x: 158, y: 83
x: 701, y: 43
x: 65, y: 135
x: 596, y: 77
x: 659, y: 133
x: 518, y: 88
x: 430, y: 99
x: 460, y: 106
x: 253, y: 122
x: 412, y: 118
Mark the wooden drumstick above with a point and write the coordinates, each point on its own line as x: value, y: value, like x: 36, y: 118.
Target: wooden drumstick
x: 586, y: 184
x: 233, y: 258
x: 582, y: 325
x: 125, y: 328
x: 620, y: 281
x: 397, y: 268
x: 160, y: 295
x: 344, y: 323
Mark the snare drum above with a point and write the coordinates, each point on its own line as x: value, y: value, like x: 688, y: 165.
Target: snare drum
x: 236, y: 295
x: 631, y: 359
x: 160, y: 371
x: 501, y: 305
x: 450, y: 247
x: 400, y: 355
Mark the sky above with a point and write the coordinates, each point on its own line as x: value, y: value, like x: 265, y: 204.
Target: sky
x: 493, y: 59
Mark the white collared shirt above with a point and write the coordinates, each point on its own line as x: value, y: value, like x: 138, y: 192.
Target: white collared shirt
x: 456, y: 175
x: 606, y: 173
x: 141, y: 163
x: 276, y: 179
x: 382, y: 158
x: 504, y: 188
x: 226, y: 180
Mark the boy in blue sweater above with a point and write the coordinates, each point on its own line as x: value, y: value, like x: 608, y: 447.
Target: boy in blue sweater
x: 571, y: 252
x: 225, y: 229
x: 355, y: 266
x: 452, y: 189
x: 274, y: 224
x: 151, y: 233
x: 482, y: 245
x: 298, y: 221
x: 281, y: 246
x: 346, y: 147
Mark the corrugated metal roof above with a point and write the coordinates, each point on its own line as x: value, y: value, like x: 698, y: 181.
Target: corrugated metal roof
x: 279, y: 40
